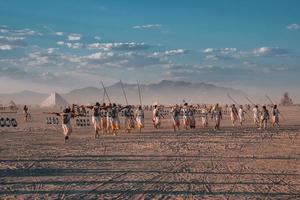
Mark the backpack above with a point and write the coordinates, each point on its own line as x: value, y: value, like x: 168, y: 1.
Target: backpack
x: 274, y: 112
x: 114, y: 112
x: 156, y: 114
x: 176, y: 113
x: 66, y: 118
x: 96, y: 111
x: 128, y: 113
x: 266, y: 114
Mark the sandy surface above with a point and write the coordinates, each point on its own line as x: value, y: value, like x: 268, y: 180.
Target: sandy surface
x: 235, y: 163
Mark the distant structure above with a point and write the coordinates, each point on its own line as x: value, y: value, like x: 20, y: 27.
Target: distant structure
x: 286, y: 100
x: 54, y: 100
x: 12, y: 106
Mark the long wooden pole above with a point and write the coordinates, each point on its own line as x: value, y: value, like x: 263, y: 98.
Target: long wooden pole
x: 103, y: 97
x: 273, y: 105
x: 250, y: 101
x: 270, y: 100
x: 139, y: 89
x: 234, y: 101
x: 228, y: 95
x: 124, y: 92
x: 105, y: 92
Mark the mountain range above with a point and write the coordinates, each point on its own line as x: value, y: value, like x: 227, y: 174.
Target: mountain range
x: 163, y: 92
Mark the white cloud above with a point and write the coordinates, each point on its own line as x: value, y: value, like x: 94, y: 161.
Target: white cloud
x: 37, y: 59
x: 108, y: 59
x: 262, y: 50
x: 12, y: 38
x: 270, y: 51
x: 97, y: 38
x: 226, y: 50
x: 12, y: 42
x: 59, y: 33
x: 175, y: 52
x: 70, y: 45
x: 3, y: 30
x: 208, y: 50
x: 47, y: 57
x: 74, y: 45
x: 74, y: 37
x: 25, y: 32
x: 211, y: 57
x: 147, y: 26
x: 293, y: 27
x: 130, y: 46
x: 171, y: 52
x: 234, y: 53
x: 215, y: 54
x: 118, y: 46
x: 51, y: 50
x: 249, y: 63
x: 19, y: 32
x: 92, y: 59
x: 6, y: 47
x: 60, y: 42
x: 99, y: 56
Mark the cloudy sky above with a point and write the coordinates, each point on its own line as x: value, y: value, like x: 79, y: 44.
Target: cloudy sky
x: 61, y: 45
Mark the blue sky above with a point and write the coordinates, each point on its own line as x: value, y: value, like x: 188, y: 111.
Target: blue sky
x: 60, y: 45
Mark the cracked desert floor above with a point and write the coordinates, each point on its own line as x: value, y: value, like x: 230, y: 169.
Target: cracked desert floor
x: 233, y: 163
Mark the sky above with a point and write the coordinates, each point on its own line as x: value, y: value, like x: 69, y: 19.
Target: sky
x: 58, y: 45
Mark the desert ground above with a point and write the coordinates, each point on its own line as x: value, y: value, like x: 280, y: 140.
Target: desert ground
x: 233, y: 163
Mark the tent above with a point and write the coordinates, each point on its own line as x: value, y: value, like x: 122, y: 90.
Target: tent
x: 12, y: 105
x: 54, y: 100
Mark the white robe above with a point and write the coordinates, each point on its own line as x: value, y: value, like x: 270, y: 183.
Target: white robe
x: 186, y: 117
x: 233, y: 114
x: 255, y: 114
x: 204, y: 117
x: 67, y: 127
x: 96, y: 120
x: 140, y: 118
x: 156, y: 117
x: 241, y: 115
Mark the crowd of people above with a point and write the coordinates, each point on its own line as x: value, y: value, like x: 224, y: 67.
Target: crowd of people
x: 105, y: 117
x: 260, y: 117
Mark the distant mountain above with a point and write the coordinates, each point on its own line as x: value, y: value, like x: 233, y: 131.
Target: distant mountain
x: 165, y: 92
x: 24, y: 97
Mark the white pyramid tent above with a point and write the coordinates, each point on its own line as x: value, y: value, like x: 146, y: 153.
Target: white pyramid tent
x: 54, y: 100
x: 12, y: 105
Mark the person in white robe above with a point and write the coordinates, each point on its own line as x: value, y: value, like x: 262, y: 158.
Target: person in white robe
x: 217, y: 116
x: 175, y: 117
x: 256, y: 115
x: 275, y: 116
x: 140, y: 117
x: 241, y: 115
x: 233, y: 114
x: 204, y: 117
x: 185, y: 116
x: 156, y: 117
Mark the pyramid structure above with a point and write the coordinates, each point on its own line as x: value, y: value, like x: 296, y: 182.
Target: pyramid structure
x: 12, y: 104
x: 54, y: 100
